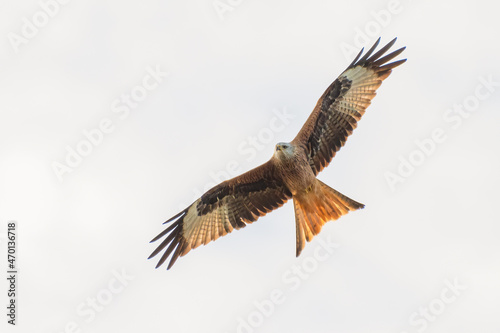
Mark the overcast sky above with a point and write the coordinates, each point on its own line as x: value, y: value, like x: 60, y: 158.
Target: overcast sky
x: 115, y: 115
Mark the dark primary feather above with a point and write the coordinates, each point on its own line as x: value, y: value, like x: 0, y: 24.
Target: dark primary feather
x: 343, y: 104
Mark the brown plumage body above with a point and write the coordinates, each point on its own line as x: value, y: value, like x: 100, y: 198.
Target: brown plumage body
x: 292, y: 164
x: 291, y: 172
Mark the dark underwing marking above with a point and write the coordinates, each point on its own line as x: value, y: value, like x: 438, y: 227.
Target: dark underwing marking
x: 214, y: 197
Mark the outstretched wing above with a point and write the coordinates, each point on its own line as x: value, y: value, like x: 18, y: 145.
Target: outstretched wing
x: 228, y: 206
x: 343, y: 104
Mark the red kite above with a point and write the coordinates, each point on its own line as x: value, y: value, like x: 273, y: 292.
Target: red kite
x: 291, y: 172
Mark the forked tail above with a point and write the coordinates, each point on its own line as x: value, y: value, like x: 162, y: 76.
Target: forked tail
x: 316, y: 207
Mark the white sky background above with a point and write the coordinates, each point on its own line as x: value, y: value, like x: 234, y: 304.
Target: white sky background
x: 227, y: 78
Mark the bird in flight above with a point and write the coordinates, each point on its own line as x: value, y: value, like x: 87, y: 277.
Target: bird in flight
x: 291, y: 172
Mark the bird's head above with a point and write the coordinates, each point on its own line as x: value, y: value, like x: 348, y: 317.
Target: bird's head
x: 284, y: 150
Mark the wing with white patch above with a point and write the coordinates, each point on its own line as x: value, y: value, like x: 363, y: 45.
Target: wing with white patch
x: 343, y: 104
x: 230, y: 205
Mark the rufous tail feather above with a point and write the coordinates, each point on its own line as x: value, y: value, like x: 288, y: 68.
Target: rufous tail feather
x: 317, y: 206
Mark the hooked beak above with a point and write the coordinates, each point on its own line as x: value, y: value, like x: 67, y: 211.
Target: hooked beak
x: 278, y: 147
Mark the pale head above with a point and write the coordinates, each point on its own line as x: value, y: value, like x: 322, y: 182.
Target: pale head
x: 284, y: 150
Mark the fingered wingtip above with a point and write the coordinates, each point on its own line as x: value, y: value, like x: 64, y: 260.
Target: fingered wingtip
x: 373, y: 58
